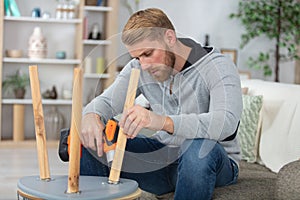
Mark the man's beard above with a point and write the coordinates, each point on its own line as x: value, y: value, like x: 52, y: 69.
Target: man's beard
x: 167, y: 68
x: 169, y: 58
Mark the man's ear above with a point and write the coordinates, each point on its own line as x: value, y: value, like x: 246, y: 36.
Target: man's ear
x: 170, y: 38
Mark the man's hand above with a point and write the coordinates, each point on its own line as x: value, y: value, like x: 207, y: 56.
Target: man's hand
x: 137, y: 117
x: 91, y: 132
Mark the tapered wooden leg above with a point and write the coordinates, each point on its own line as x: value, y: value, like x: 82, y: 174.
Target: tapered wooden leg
x: 40, y: 131
x: 116, y: 166
x: 18, y: 122
x: 74, y: 160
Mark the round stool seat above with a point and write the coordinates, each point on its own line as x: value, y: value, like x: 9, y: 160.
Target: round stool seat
x: 288, y: 181
x: 90, y: 188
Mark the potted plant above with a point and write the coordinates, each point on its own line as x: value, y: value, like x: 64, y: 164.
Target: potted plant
x: 132, y: 8
x: 276, y: 19
x: 16, y: 83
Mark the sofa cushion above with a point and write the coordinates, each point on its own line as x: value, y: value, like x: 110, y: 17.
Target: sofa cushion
x: 280, y: 138
x: 248, y: 132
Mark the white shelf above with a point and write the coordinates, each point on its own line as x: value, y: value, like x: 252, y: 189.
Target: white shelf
x: 43, y: 61
x: 97, y: 8
x: 27, y: 143
x: 44, y: 101
x: 96, y: 42
x: 42, y: 20
x: 108, y: 16
x: 95, y: 76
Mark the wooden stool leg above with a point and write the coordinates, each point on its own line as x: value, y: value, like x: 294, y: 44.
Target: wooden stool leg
x: 40, y: 132
x: 74, y: 163
x: 114, y: 175
x: 18, y: 122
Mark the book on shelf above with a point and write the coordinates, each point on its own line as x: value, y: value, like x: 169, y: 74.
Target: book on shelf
x: 11, y: 8
x: 6, y: 8
x: 85, y: 28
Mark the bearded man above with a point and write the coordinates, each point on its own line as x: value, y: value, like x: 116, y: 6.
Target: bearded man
x: 195, y: 104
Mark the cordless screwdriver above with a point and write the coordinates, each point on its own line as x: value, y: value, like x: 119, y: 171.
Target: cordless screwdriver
x: 110, y: 137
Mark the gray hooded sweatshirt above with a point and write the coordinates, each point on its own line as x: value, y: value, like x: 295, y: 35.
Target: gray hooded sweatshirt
x: 205, y: 102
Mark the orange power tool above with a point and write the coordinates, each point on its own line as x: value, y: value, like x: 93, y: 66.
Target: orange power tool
x: 110, y: 137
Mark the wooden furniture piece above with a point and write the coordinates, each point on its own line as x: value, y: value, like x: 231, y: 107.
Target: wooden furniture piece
x: 122, y: 139
x: 61, y: 34
x: 18, y: 122
x: 40, y: 131
x: 245, y: 74
x: 105, y: 49
x: 75, y: 130
x: 1, y: 55
x: 92, y: 187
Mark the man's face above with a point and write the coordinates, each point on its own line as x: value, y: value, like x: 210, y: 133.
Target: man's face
x: 154, y: 57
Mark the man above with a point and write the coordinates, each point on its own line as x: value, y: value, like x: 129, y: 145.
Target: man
x: 195, y: 103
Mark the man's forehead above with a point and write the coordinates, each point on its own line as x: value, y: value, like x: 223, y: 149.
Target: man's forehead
x: 145, y: 45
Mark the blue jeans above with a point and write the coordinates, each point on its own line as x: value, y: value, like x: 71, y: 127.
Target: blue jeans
x: 192, y: 171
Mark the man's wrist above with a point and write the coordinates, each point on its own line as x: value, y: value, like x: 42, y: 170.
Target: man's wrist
x: 169, y: 125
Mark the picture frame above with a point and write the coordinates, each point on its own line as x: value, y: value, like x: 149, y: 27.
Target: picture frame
x: 244, y: 75
x: 231, y: 53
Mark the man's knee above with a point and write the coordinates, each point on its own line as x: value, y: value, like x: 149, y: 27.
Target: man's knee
x: 199, y: 148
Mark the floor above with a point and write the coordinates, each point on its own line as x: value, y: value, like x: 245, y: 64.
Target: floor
x: 17, y: 162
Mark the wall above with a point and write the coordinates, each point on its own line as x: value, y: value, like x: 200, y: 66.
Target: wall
x: 195, y: 18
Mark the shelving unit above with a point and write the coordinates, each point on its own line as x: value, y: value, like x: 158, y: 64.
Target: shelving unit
x: 1, y: 56
x: 42, y: 61
x: 44, y: 101
x: 15, y: 33
x: 96, y: 42
x: 96, y: 76
x: 42, y: 20
x: 105, y: 47
x: 51, y: 70
x: 98, y: 8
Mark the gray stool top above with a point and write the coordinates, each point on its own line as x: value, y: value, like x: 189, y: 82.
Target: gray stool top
x: 91, y: 188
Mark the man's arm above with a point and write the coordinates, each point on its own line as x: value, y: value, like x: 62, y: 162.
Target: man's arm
x: 102, y: 108
x: 137, y: 117
x: 169, y: 126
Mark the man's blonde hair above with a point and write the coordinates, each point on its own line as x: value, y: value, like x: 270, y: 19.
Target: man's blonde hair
x: 146, y: 24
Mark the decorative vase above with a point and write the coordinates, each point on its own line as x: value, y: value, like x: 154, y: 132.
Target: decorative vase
x: 37, y: 44
x: 19, y: 93
x: 50, y: 94
x: 54, y: 122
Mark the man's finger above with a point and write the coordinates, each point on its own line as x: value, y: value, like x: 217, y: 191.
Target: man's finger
x: 99, y: 147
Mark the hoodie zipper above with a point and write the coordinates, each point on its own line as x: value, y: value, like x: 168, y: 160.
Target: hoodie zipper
x: 171, y: 85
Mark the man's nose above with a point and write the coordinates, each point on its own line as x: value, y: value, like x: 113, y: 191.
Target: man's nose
x: 145, y: 65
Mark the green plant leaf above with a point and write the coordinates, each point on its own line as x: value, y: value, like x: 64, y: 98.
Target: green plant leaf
x: 278, y: 20
x: 16, y: 81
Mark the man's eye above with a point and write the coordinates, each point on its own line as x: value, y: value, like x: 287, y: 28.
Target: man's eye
x: 148, y: 53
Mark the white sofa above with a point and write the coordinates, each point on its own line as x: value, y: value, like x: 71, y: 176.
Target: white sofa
x: 278, y: 143
x: 279, y: 139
